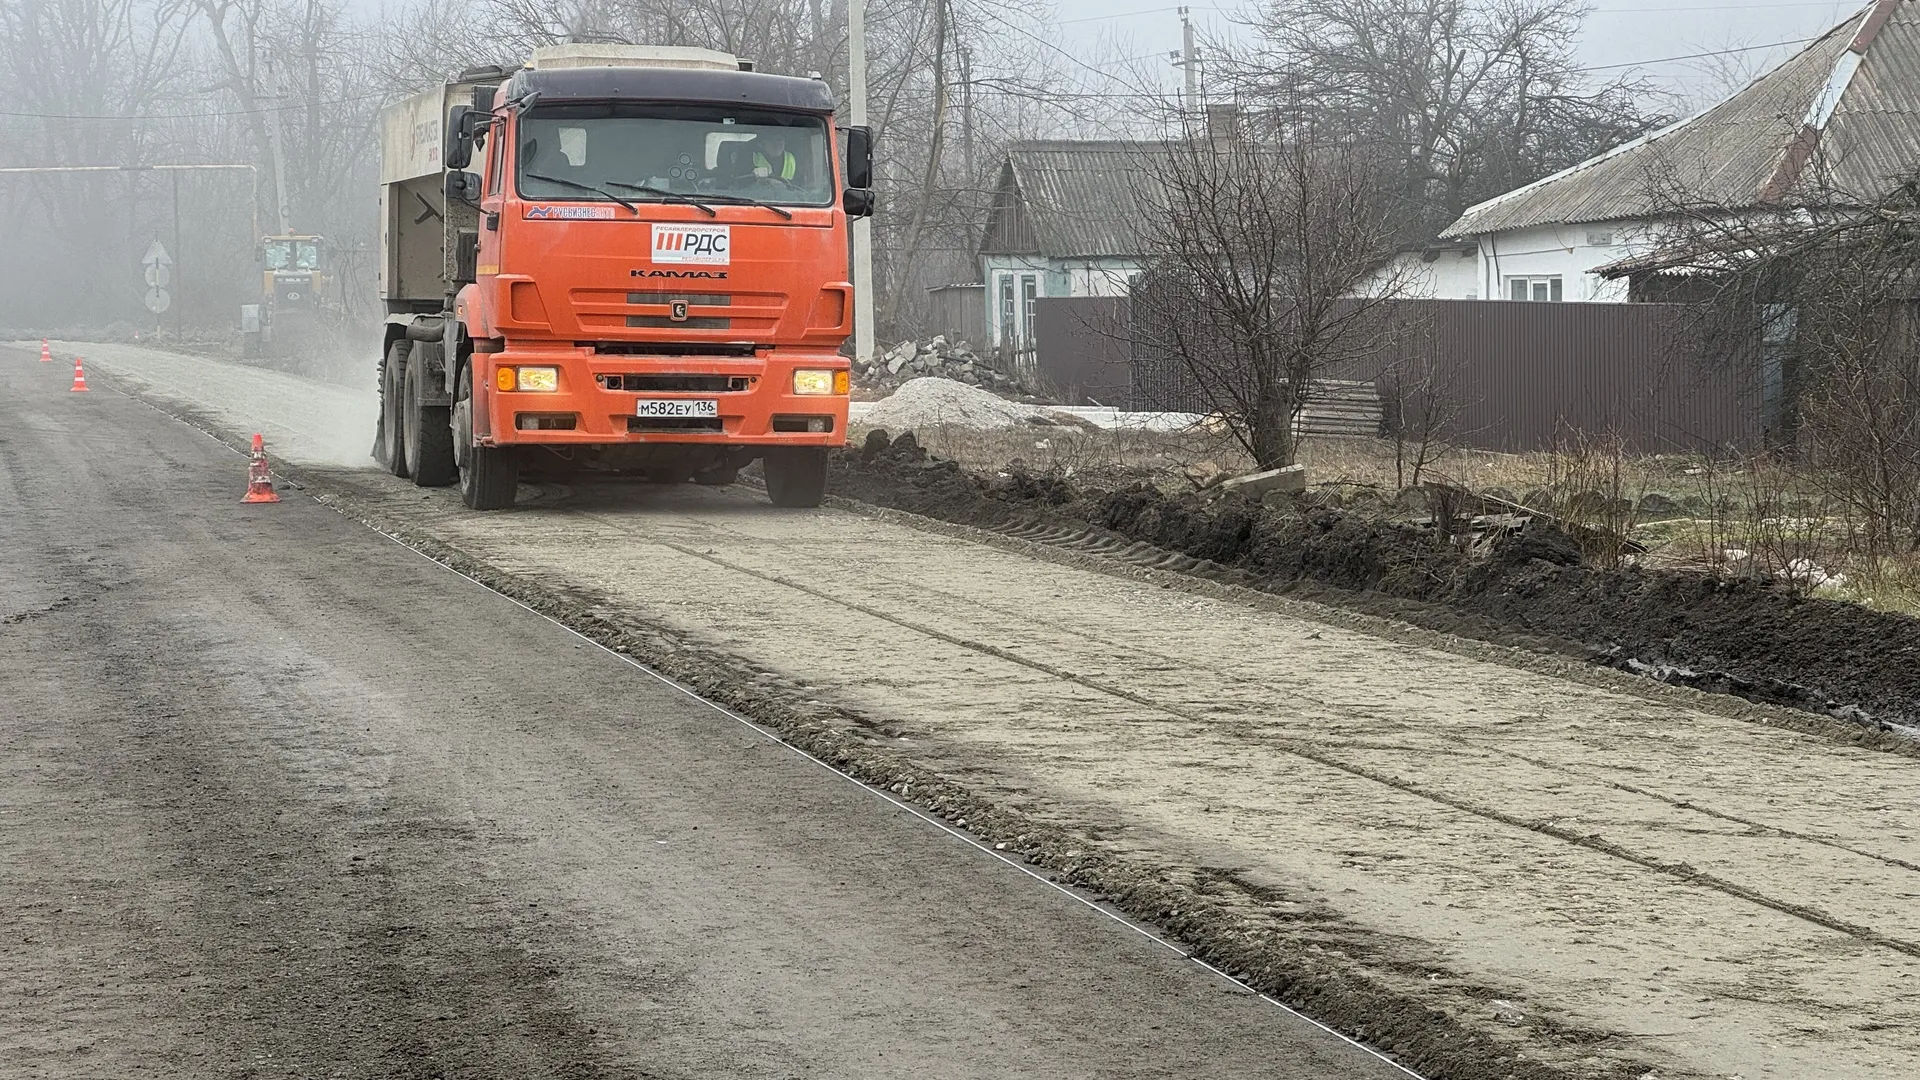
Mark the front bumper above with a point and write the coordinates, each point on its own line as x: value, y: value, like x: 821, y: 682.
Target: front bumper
x: 757, y: 404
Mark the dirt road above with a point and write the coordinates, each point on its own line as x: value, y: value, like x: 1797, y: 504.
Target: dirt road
x: 278, y: 797
x: 1602, y: 876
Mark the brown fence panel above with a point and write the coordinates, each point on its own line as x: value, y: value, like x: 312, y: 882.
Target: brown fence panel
x: 1522, y: 376
x: 1517, y: 376
x: 1083, y: 352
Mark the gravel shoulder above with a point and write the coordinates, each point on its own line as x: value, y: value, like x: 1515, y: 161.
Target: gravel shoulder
x: 1581, y: 877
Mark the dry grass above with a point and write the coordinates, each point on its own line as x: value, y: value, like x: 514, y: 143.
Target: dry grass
x: 1757, y: 517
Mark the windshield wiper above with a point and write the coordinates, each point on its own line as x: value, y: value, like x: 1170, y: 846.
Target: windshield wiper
x: 649, y: 189
x: 745, y: 200
x: 578, y: 186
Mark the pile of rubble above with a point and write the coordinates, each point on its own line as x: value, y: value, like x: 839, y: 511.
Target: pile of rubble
x: 948, y: 360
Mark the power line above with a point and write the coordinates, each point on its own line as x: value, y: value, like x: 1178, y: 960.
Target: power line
x: 1695, y: 56
x: 189, y: 116
x: 1131, y: 14
x: 1717, y: 7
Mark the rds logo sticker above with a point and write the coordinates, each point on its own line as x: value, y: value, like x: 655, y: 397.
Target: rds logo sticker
x: 709, y: 244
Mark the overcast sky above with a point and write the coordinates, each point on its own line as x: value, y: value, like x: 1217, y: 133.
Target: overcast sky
x: 1617, y: 32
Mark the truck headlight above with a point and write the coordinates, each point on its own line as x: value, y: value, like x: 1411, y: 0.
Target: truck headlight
x: 536, y: 379
x: 815, y: 382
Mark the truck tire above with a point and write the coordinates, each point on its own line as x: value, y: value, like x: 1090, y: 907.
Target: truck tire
x: 393, y: 448
x: 796, y: 475
x: 489, y: 475
x: 429, y: 433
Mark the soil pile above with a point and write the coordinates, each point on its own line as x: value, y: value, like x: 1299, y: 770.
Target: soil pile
x: 1752, y: 638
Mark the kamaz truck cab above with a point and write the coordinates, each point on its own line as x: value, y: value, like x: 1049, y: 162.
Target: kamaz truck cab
x: 617, y: 259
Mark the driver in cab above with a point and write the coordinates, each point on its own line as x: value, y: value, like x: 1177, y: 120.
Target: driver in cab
x: 771, y: 158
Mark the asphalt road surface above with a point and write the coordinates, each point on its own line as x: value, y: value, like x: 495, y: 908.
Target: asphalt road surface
x: 278, y: 797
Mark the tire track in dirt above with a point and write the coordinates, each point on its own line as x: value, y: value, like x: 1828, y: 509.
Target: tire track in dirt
x: 1321, y: 756
x: 1065, y: 627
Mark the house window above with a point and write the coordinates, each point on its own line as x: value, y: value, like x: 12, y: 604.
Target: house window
x: 1029, y: 293
x: 1534, y: 288
x: 1006, y: 323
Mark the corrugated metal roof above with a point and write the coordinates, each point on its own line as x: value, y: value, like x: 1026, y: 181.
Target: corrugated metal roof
x: 1732, y: 153
x: 1082, y: 199
x: 1873, y: 139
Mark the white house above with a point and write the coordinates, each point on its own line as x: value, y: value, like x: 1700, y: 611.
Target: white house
x: 1067, y: 219
x: 1444, y: 269
x: 1849, y: 103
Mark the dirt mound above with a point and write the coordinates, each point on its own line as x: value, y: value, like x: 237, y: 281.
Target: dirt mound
x: 1752, y: 638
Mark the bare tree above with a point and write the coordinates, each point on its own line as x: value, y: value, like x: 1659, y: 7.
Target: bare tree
x: 1265, y: 274
x: 1469, y: 97
x: 1819, y: 295
x: 78, y: 75
x: 1424, y: 403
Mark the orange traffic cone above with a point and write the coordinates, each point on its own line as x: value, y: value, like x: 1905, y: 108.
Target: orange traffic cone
x: 79, y: 377
x: 46, y: 354
x: 259, y: 480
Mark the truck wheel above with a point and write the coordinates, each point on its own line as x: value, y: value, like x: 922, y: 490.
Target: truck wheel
x: 393, y: 441
x: 489, y: 475
x: 429, y: 433
x: 796, y: 475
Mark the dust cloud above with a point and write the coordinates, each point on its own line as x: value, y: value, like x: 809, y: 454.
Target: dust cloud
x: 305, y: 419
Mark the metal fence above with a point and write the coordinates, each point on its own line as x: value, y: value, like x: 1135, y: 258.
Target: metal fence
x: 1516, y: 376
x: 1083, y: 352
x: 1521, y: 376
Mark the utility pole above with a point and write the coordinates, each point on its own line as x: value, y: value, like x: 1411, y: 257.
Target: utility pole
x: 276, y: 152
x: 1188, y: 58
x: 966, y: 108
x: 862, y: 227
x: 179, y: 310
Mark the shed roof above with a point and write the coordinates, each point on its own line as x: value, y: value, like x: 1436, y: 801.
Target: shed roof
x: 1852, y: 96
x: 1064, y: 199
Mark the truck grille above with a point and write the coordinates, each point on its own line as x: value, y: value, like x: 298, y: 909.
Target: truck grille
x: 702, y: 299
x: 667, y: 348
x: 691, y: 322
x: 693, y: 384
x: 674, y: 423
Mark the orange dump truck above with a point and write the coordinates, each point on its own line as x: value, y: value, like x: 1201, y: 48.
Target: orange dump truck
x: 617, y: 259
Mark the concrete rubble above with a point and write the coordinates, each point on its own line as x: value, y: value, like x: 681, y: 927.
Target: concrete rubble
x: 954, y: 360
x: 1288, y: 479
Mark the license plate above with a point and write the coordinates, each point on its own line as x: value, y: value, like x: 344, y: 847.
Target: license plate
x: 708, y: 409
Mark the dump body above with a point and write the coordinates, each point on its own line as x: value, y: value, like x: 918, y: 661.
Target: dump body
x: 646, y: 267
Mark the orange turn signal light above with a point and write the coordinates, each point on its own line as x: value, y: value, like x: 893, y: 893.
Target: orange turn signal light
x: 503, y: 378
x: 840, y: 381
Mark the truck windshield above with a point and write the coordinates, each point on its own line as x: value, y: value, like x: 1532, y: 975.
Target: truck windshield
x: 725, y: 152
x: 283, y: 254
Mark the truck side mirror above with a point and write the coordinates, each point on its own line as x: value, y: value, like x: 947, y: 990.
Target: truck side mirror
x: 859, y: 157
x: 457, y: 151
x: 857, y: 202
x: 463, y: 187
